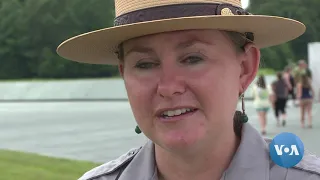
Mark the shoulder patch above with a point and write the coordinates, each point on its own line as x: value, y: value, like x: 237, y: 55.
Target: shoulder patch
x: 111, y: 166
x: 309, y: 163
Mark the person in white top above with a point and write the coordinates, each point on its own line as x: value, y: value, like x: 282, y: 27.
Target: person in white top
x: 262, y: 102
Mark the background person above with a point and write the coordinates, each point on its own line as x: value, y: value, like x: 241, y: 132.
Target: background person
x: 305, y: 94
x: 289, y: 79
x: 261, y: 102
x: 302, y: 69
x: 280, y: 92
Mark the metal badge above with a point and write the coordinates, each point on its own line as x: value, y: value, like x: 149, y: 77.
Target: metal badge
x: 226, y: 12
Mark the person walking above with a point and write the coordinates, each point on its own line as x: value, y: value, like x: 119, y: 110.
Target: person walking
x: 302, y: 69
x: 289, y: 79
x: 280, y: 92
x: 305, y: 94
x: 261, y: 102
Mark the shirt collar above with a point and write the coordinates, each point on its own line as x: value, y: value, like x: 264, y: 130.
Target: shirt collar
x: 251, y: 160
x: 142, y: 166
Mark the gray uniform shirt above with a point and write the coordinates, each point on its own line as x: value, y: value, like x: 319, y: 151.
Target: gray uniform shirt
x: 251, y: 162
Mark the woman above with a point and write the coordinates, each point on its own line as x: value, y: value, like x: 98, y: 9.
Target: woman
x: 305, y: 94
x: 183, y: 79
x: 261, y: 102
x: 280, y: 92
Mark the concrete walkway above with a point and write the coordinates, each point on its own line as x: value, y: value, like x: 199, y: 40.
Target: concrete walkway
x: 101, y: 131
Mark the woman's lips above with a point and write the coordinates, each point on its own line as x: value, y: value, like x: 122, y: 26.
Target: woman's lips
x: 177, y: 117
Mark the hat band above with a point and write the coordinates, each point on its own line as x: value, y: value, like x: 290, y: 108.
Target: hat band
x: 177, y: 11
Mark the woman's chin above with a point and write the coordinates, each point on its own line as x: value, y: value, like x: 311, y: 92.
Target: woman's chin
x: 178, y: 140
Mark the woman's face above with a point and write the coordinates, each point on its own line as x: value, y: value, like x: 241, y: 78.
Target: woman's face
x: 183, y: 86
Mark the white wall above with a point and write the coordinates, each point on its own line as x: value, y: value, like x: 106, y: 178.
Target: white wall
x: 63, y: 89
x: 314, y: 65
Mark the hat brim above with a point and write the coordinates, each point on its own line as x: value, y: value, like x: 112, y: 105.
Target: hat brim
x: 98, y: 47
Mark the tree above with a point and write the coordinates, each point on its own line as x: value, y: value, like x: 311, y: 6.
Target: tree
x: 32, y: 29
x: 305, y: 11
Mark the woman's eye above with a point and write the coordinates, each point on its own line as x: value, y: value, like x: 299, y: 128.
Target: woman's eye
x: 192, y: 59
x: 146, y: 65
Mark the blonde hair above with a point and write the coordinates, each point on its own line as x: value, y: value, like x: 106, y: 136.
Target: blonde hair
x: 305, y: 81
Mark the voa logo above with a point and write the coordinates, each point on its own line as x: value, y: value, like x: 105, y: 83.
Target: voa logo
x: 286, y: 150
x: 293, y: 150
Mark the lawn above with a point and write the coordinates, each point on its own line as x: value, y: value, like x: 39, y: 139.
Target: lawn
x: 27, y: 166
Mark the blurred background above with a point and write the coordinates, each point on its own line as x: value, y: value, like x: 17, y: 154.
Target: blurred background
x: 60, y: 118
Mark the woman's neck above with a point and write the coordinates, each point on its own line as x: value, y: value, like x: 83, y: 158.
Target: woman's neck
x: 210, y: 163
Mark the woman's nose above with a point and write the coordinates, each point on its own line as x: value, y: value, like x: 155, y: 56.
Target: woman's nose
x: 171, y: 84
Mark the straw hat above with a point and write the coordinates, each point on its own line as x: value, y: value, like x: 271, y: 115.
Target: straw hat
x: 136, y: 18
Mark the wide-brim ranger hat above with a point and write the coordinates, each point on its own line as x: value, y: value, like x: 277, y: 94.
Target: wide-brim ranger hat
x: 136, y: 18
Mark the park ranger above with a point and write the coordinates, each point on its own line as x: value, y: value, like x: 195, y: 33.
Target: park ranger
x: 185, y: 64
x: 251, y: 162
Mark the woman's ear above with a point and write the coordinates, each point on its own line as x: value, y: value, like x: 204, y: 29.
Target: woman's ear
x: 250, y: 61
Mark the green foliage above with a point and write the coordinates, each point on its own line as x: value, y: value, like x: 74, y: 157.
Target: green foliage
x: 305, y: 11
x: 30, y: 31
x: 266, y: 71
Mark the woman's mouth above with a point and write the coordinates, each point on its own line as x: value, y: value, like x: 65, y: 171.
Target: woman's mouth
x: 177, y: 114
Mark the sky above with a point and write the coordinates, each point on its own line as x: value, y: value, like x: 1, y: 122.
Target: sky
x: 245, y: 3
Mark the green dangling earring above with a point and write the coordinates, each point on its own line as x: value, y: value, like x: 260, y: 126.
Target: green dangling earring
x: 137, y: 130
x: 243, y: 118
x: 239, y: 118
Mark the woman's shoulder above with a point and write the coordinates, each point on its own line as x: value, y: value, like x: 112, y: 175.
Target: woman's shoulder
x: 310, y: 163
x: 307, y: 168
x: 110, y: 170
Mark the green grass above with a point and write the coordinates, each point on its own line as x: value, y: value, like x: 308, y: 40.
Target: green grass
x: 27, y: 166
x: 266, y: 71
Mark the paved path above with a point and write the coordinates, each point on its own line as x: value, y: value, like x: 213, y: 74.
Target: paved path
x: 101, y: 131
